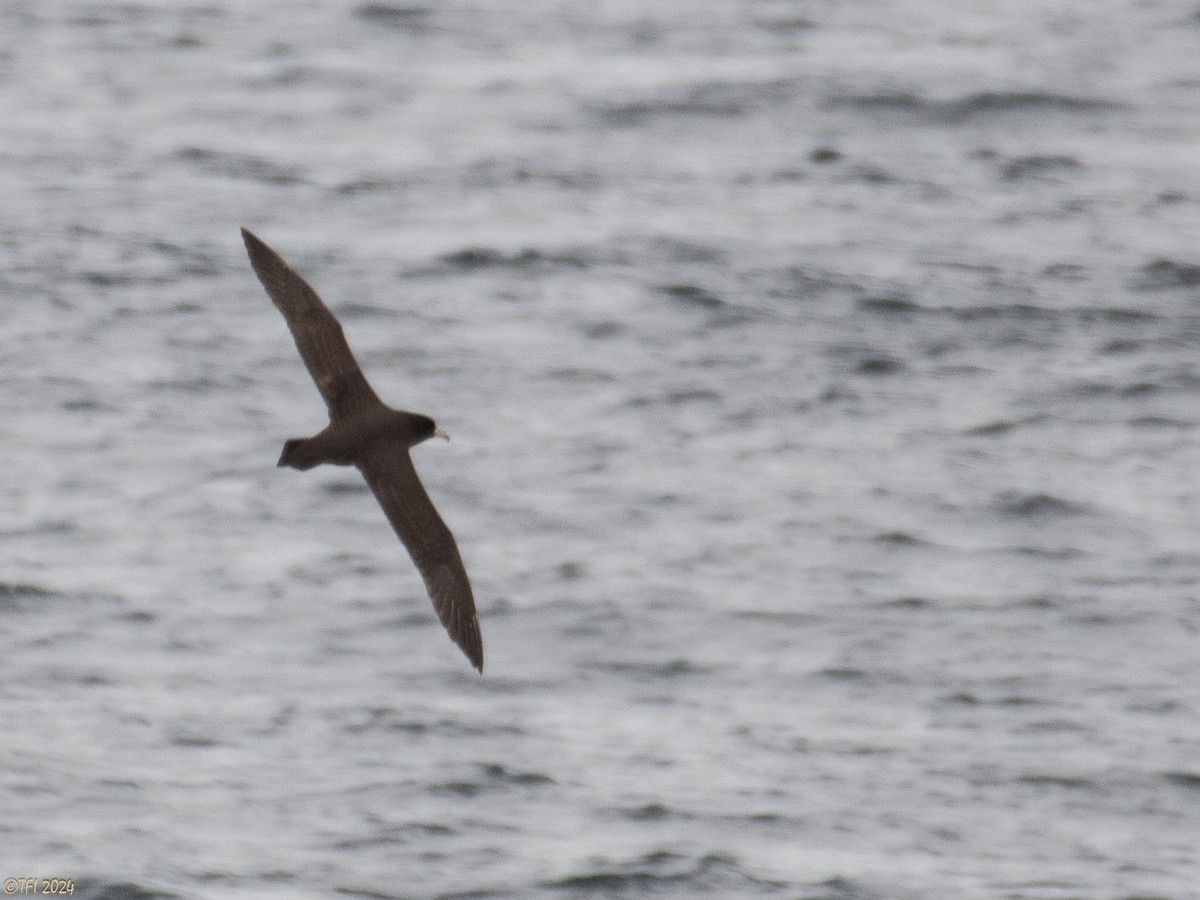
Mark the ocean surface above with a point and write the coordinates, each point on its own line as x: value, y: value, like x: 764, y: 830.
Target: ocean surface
x: 824, y: 385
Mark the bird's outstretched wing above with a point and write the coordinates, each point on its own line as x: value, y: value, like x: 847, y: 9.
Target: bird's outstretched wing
x: 389, y: 471
x: 318, y: 333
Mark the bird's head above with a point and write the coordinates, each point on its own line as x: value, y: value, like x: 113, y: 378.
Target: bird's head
x: 424, y: 428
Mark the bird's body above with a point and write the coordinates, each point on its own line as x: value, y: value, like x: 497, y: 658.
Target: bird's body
x: 344, y: 441
x: 366, y: 433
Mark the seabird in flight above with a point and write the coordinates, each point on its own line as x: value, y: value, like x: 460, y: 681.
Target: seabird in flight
x: 366, y: 433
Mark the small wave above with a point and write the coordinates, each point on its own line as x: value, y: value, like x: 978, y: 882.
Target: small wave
x: 782, y: 21
x: 86, y: 404
x: 191, y: 739
x: 899, y: 539
x: 983, y: 104
x: 1164, y: 274
x: 107, y: 15
x: 825, y: 155
x: 393, y: 835
x: 1067, y: 271
x: 495, y: 173
x: 691, y: 295
x: 240, y: 165
x: 1019, y: 700
x: 1023, y: 313
x: 499, y: 774
x: 368, y: 184
x: 1023, y: 168
x: 963, y: 698
x: 1117, y: 315
x: 682, y: 250
x: 1066, y: 782
x: 1188, y: 780
x: 94, y: 889
x: 337, y: 488
x: 841, y: 889
x: 571, y: 570
x: 777, y: 617
x: 389, y: 719
x: 1161, y: 422
x: 1062, y: 553
x: 384, y: 718
x: 967, y: 698
x: 717, y: 99
x: 652, y: 812
x: 470, y: 259
x: 599, y: 331
x: 1091, y: 389
x: 99, y: 279
x: 868, y: 173
x: 1017, y: 505
x: 17, y: 595
x: 696, y: 297
x: 993, y: 429
x: 46, y: 526
x: 906, y: 603
x: 673, y: 668
x: 397, y: 16
x: 11, y: 591
x: 1053, y: 725
x: 1120, y: 346
x: 492, y: 776
x: 581, y: 375
x: 666, y: 871
x: 353, y: 310
x: 889, y: 304
x: 879, y: 366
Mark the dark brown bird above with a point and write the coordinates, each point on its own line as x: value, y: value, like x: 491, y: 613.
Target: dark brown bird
x: 364, y: 432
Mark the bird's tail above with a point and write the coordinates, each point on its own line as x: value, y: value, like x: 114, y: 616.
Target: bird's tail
x: 299, y: 453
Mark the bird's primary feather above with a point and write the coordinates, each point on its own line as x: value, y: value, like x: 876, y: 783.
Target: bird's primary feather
x: 317, y: 332
x: 389, y: 472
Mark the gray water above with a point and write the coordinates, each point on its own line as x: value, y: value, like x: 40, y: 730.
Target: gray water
x: 824, y: 384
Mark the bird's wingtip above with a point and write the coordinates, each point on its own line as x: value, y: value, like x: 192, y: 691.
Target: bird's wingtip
x: 475, y: 656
